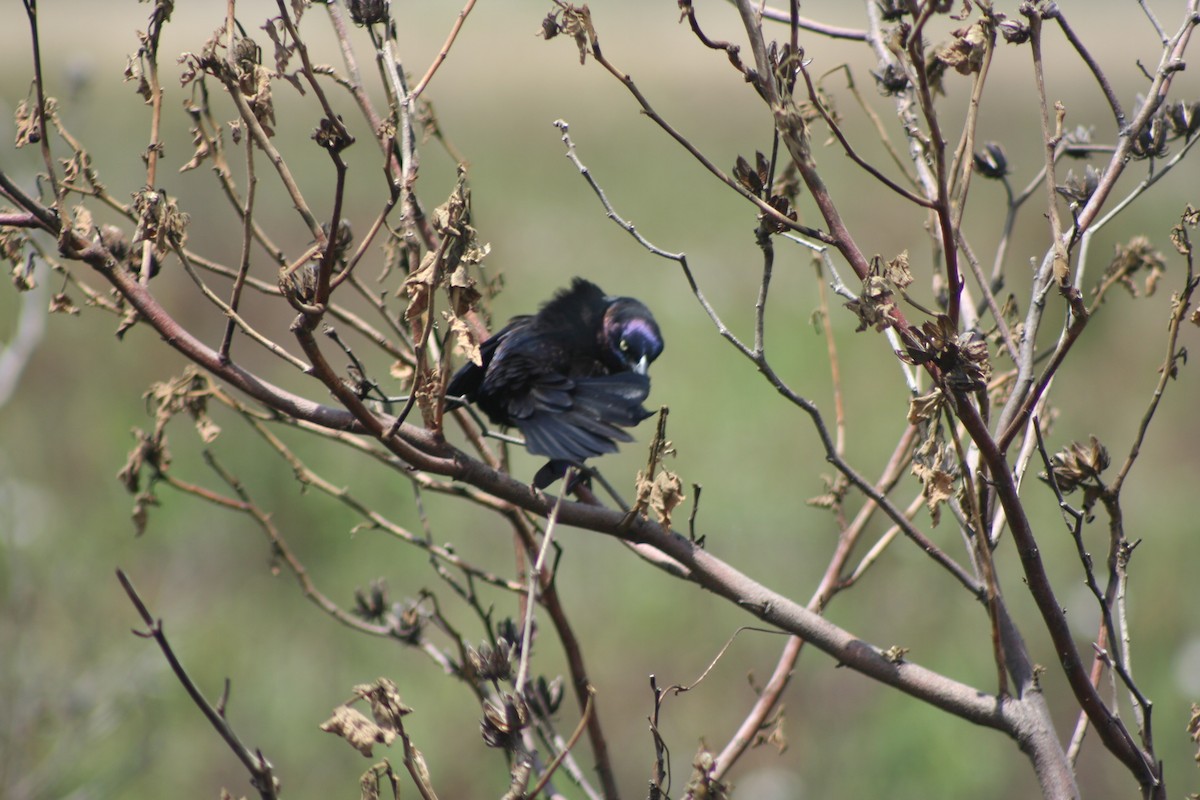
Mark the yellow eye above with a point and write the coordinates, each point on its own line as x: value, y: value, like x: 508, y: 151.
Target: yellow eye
x: 624, y: 345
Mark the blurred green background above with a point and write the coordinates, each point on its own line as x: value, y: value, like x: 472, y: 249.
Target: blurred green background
x: 89, y: 711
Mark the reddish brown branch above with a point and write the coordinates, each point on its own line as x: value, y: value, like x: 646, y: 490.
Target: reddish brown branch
x: 1108, y: 726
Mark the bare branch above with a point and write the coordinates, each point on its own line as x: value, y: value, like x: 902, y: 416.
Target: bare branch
x: 261, y: 775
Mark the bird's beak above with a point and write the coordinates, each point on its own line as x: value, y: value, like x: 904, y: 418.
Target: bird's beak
x: 641, y: 366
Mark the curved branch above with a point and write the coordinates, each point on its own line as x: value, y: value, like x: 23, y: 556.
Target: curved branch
x: 427, y: 451
x: 804, y: 23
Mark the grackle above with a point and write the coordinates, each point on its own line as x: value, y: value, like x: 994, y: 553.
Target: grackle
x: 569, y: 377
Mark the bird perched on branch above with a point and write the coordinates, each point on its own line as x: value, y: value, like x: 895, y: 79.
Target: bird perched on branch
x: 570, y: 377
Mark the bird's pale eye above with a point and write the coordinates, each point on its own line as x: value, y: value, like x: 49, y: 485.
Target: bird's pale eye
x: 624, y: 345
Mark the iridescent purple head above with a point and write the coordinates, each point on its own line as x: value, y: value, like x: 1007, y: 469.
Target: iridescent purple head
x: 631, y: 337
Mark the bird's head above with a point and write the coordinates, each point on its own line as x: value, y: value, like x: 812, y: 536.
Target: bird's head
x: 631, y: 336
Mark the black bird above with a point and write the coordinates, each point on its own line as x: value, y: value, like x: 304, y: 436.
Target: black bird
x: 570, y: 377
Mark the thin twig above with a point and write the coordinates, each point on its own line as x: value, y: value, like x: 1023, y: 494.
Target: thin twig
x: 244, y: 259
x: 281, y: 168
x: 1054, y: 12
x: 880, y: 131
x: 815, y: 98
x: 535, y: 581
x: 825, y: 29
x: 39, y: 81
x: 236, y: 319
x: 439, y: 58
x: 562, y: 754
x: 262, y: 776
x: 302, y: 49
x: 835, y: 369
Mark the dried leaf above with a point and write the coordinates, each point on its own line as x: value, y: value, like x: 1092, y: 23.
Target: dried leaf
x: 642, y: 488
x: 666, y: 494
x: 259, y: 99
x: 23, y: 278
x: 359, y: 732
x: 12, y: 249
x: 775, y: 737
x: 159, y: 220
x: 874, y: 306
x: 826, y: 501
x: 577, y: 23
x: 463, y: 294
x: 448, y: 217
x: 62, y: 303
x: 465, y: 341
x: 967, y: 50
x: 134, y: 73
x: 150, y: 450
x: 283, y: 51
x: 934, y: 465
x: 368, y: 785
x: 926, y: 407
x: 203, y: 150
x: 401, y: 371
x: 1179, y: 234
x: 419, y: 287
x: 127, y: 322
x: 208, y: 430
x: 1136, y: 256
x: 386, y: 705
x: 938, y: 488
x: 29, y: 126
x: 897, y: 272
x: 79, y: 164
x: 142, y: 503
x: 704, y: 782
x: 1193, y: 727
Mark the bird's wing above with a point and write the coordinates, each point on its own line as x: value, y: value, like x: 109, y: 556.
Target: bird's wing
x: 576, y: 419
x: 469, y: 378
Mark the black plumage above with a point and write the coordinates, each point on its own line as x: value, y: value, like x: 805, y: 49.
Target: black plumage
x: 570, y: 377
